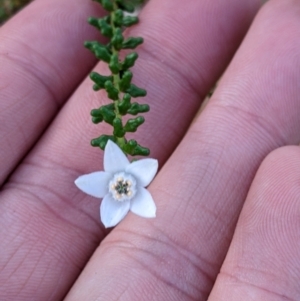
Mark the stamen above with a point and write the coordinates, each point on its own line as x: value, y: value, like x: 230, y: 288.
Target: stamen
x: 122, y: 186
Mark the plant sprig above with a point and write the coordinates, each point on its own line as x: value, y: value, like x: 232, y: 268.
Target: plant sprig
x: 118, y: 85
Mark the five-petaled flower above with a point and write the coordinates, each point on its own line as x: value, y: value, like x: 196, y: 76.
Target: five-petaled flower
x: 121, y: 185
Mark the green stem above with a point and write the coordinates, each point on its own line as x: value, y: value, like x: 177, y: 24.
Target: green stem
x: 116, y: 77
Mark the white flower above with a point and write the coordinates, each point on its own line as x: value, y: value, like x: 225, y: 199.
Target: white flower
x: 121, y: 185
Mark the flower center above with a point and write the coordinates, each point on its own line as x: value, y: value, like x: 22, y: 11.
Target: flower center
x: 122, y: 186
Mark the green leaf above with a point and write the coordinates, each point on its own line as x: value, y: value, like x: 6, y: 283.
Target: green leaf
x: 114, y: 64
x: 112, y: 91
x: 133, y: 124
x: 118, y: 18
x: 134, y: 149
x: 117, y: 39
x: 136, y: 108
x: 125, y: 81
x: 99, y: 80
x: 135, y: 91
x: 118, y: 128
x: 129, y: 60
x: 140, y: 151
x: 97, y: 120
x: 126, y: 6
x: 132, y: 43
x: 94, y: 21
x: 96, y: 113
x: 124, y: 105
x: 102, y: 141
x: 100, y: 50
x: 108, y: 113
x: 105, y: 28
x: 107, y: 5
x: 129, y: 21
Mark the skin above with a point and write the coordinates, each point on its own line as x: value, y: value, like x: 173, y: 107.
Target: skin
x: 227, y: 194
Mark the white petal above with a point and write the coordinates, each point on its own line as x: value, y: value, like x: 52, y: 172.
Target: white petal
x: 143, y: 204
x: 143, y: 170
x: 114, y: 158
x: 112, y: 211
x: 94, y: 184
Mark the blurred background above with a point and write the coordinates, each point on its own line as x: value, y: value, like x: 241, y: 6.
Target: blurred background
x: 10, y: 7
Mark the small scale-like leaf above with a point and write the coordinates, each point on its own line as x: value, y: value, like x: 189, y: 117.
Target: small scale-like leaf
x: 99, y: 79
x: 94, y: 22
x: 124, y: 105
x: 118, y: 18
x: 117, y: 39
x: 112, y: 91
x: 97, y: 120
x: 134, y: 149
x: 126, y: 6
x: 108, y: 113
x: 129, y: 61
x: 136, y: 108
x: 105, y: 28
x: 102, y: 141
x: 107, y: 5
x: 101, y: 51
x: 118, y: 128
x: 125, y: 81
x: 132, y: 43
x: 129, y: 21
x: 132, y: 124
x: 135, y: 91
x: 114, y: 64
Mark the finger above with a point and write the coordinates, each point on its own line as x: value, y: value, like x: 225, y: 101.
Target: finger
x: 202, y: 187
x: 263, y: 259
x: 50, y: 201
x: 42, y: 60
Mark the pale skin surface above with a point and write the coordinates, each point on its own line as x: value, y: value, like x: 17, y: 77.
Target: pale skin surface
x: 230, y: 161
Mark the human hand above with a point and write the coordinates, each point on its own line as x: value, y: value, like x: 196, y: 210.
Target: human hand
x: 49, y: 230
